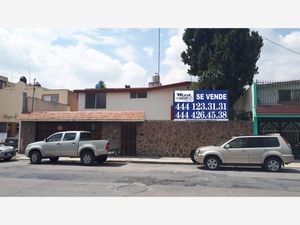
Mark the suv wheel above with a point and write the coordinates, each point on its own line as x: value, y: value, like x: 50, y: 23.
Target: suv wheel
x: 35, y: 157
x: 54, y: 159
x: 212, y: 162
x: 87, y: 158
x: 272, y: 164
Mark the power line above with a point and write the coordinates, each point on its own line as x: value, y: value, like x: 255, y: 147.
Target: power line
x: 4, y: 63
x: 298, y: 53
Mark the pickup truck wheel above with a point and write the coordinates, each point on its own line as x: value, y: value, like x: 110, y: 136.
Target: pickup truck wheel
x: 101, y: 159
x: 35, y: 157
x: 87, y: 158
x: 54, y: 159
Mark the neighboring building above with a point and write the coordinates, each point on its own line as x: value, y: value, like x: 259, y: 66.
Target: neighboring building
x: 155, y: 101
x: 18, y: 98
x: 275, y: 108
x: 5, y: 83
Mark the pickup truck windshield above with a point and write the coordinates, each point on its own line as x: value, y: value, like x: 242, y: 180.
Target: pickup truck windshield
x: 85, y: 136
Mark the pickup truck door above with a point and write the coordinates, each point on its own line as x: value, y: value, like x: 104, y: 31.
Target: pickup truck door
x: 52, y: 146
x: 69, y: 144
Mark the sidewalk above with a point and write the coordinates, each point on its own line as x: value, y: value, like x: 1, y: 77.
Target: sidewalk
x: 156, y: 160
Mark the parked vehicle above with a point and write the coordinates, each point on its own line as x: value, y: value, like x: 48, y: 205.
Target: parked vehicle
x: 69, y: 144
x: 270, y: 151
x: 12, y: 141
x: 7, y: 152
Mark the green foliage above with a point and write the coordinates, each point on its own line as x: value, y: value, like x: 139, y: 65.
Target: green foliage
x: 223, y: 59
x: 101, y: 85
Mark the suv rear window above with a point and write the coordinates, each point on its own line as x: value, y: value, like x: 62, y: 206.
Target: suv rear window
x: 262, y: 142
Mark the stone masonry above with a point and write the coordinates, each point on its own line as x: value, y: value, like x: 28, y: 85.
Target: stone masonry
x: 177, y: 138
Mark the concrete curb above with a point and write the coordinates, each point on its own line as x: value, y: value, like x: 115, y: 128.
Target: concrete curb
x: 166, y: 160
x: 129, y: 160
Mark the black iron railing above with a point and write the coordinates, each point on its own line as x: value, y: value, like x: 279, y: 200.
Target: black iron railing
x: 278, y: 93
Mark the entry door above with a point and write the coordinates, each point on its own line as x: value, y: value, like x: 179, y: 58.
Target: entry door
x: 128, y: 139
x: 237, y: 151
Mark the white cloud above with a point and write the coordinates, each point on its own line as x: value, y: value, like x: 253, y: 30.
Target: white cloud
x: 55, y: 66
x: 128, y: 53
x: 177, y: 69
x: 132, y: 74
x: 148, y: 51
x: 277, y: 63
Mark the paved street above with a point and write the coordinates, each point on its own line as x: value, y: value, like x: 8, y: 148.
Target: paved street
x: 69, y: 178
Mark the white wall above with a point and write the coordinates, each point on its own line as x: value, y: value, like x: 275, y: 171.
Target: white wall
x: 157, y: 105
x: 245, y: 102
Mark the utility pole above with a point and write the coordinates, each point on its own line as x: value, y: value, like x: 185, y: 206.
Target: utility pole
x: 158, y: 65
x: 33, y: 93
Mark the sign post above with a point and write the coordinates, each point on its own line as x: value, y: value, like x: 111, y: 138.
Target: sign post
x: 201, y: 105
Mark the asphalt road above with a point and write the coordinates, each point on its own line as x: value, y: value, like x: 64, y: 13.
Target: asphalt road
x: 69, y: 178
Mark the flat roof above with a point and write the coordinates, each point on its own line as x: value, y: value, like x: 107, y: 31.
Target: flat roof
x: 109, y: 116
x: 111, y: 90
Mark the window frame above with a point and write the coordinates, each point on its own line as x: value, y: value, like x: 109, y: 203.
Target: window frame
x: 282, y: 98
x: 51, y: 95
x: 67, y: 133
x: 243, y: 144
x: 138, y: 94
x: 95, y: 103
x: 48, y: 138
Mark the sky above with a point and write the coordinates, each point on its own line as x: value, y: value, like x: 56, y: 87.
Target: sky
x: 79, y: 58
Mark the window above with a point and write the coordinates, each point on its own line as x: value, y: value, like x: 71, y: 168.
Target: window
x: 69, y: 136
x: 55, y: 137
x: 141, y: 94
x: 95, y: 101
x: 2, y: 84
x: 262, y: 142
x: 238, y: 143
x: 271, y: 142
x: 85, y: 136
x: 50, y: 98
x: 284, y: 95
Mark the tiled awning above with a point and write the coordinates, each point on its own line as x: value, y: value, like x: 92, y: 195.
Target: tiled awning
x: 129, y: 116
x: 278, y: 109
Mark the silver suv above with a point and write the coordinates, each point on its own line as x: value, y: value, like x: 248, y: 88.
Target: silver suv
x: 270, y: 151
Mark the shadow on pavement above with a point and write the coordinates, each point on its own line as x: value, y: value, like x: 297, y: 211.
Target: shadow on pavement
x: 250, y: 169
x: 77, y: 163
x: 9, y: 161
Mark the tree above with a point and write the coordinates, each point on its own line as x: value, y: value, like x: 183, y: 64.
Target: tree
x: 101, y: 85
x: 223, y: 59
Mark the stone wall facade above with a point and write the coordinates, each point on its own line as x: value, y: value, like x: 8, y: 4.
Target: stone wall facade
x: 178, y: 138
x: 28, y: 134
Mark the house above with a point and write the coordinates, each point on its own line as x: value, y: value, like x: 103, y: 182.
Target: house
x: 155, y: 101
x: 275, y: 107
x: 113, y: 114
x: 17, y: 98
